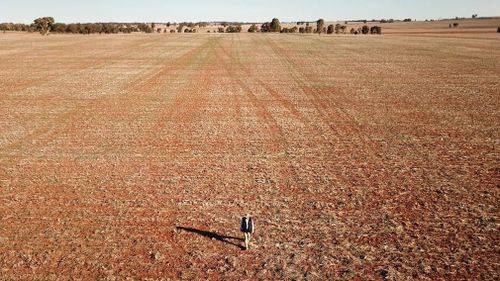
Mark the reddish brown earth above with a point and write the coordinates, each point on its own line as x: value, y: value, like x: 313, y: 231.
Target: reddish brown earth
x: 133, y: 157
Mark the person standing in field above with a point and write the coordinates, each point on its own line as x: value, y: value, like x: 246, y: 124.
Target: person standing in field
x: 247, y: 227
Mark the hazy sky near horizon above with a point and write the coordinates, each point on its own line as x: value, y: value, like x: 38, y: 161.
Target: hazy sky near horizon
x: 24, y: 11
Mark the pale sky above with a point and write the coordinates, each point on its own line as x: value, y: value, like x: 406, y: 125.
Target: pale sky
x: 24, y: 11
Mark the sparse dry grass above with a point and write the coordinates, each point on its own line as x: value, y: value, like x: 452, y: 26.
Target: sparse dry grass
x: 359, y: 157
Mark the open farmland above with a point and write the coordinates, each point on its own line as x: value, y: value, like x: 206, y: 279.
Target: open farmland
x: 368, y: 157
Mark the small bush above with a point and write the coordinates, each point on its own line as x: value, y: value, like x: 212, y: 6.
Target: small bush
x: 376, y: 30
x: 498, y: 29
x: 337, y: 28
x: 275, y: 25
x: 330, y: 29
x: 265, y: 27
x: 455, y: 24
x: 365, y: 29
x: 233, y: 29
x: 43, y: 25
x: 253, y: 28
x: 320, y: 26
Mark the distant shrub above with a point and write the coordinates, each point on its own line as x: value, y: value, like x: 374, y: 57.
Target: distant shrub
x: 43, y: 25
x: 233, y: 29
x: 221, y: 30
x: 407, y: 20
x: 365, y: 29
x: 275, y: 25
x: 330, y: 29
x: 455, y: 24
x: 353, y: 30
x: 265, y: 27
x: 75, y: 28
x: 309, y: 29
x: 253, y: 28
x: 320, y: 26
x: 302, y: 30
x: 498, y: 29
x: 337, y: 28
x: 145, y: 28
x: 58, y: 27
x: 289, y: 30
x: 172, y: 30
x: 376, y: 30
x: 16, y: 27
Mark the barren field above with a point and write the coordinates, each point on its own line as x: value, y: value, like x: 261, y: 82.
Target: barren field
x: 133, y: 157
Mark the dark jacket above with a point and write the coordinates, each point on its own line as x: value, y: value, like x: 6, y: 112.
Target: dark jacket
x: 246, y: 225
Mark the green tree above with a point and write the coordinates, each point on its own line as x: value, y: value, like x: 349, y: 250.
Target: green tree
x: 44, y: 25
x: 180, y: 28
x: 275, y: 25
x: 337, y: 28
x: 330, y: 29
x: 320, y: 25
x: 365, y: 29
x: 265, y: 27
x: 253, y: 28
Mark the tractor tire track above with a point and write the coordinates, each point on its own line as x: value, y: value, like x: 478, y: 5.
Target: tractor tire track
x: 245, y: 70
x: 323, y: 108
x: 260, y: 106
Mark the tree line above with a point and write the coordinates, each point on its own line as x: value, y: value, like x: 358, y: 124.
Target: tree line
x: 275, y: 26
x: 46, y: 25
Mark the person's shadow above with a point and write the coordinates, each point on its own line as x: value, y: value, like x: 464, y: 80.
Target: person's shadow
x: 213, y: 235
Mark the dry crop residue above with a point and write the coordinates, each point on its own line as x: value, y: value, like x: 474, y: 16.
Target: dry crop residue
x: 369, y: 157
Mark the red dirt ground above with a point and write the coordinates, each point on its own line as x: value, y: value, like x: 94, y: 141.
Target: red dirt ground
x: 133, y: 157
